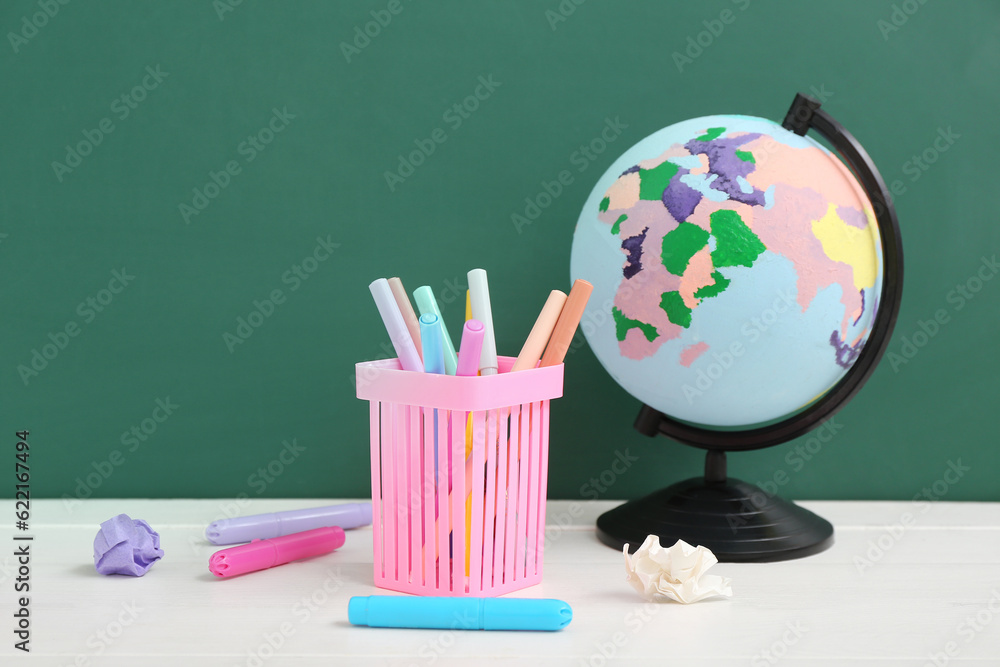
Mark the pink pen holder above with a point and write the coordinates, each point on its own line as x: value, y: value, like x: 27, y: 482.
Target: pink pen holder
x: 445, y: 523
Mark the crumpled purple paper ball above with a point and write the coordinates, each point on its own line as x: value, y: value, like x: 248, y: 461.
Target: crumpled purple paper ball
x: 126, y: 546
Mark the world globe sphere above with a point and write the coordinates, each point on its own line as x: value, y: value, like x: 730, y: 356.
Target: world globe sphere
x: 737, y: 268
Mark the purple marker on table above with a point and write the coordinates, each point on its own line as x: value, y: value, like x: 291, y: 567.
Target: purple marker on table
x: 277, y: 524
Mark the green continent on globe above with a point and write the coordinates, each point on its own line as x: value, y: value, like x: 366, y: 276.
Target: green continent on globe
x: 680, y: 245
x: 618, y: 224
x: 623, y: 324
x: 712, y: 133
x: 677, y: 311
x: 652, y: 182
x: 716, y: 288
x: 736, y: 245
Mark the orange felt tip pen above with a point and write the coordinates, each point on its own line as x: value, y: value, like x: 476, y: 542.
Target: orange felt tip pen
x: 565, y: 327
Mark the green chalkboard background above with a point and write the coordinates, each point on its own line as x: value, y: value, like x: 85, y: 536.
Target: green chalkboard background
x: 212, y: 75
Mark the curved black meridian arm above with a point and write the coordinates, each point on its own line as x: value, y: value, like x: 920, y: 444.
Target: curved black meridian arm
x: 803, y: 115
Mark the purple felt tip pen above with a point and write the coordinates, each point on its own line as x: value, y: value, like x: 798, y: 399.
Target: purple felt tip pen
x: 277, y: 524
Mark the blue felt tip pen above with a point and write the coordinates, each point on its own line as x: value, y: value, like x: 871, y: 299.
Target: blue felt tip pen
x: 424, y: 296
x: 386, y: 611
x: 431, y: 340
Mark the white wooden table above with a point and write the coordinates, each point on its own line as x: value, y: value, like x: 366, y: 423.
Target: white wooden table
x: 924, y: 594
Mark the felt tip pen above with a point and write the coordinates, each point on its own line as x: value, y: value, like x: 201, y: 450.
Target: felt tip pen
x: 433, y: 346
x: 262, y: 554
x: 447, y: 613
x: 535, y: 344
x: 430, y: 335
x: 479, y: 291
x: 406, y: 310
x: 470, y: 349
x: 277, y: 524
x: 565, y: 328
x: 402, y: 342
x: 427, y: 304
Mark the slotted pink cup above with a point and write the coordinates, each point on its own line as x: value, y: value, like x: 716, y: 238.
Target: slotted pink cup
x: 421, y: 479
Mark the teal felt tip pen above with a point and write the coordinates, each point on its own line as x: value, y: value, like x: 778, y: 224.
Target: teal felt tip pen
x: 424, y: 296
x: 387, y: 611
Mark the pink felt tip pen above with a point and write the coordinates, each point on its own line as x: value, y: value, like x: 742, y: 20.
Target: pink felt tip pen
x: 471, y: 347
x: 469, y: 353
x: 262, y: 554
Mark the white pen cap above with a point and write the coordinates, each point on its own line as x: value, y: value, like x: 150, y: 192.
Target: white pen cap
x: 479, y: 294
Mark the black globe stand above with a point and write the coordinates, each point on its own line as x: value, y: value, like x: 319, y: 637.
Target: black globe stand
x: 738, y: 521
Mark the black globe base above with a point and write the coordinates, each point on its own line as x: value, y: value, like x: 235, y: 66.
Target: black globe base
x: 738, y: 521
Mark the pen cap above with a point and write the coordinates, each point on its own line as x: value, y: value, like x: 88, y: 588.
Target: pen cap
x: 470, y: 349
x: 482, y: 310
x: 540, y: 333
x: 402, y: 342
x: 245, y: 529
x: 349, y: 515
x: 258, y: 555
x: 569, y: 319
x: 426, y: 303
x: 433, y: 346
x: 357, y: 610
x: 406, y: 310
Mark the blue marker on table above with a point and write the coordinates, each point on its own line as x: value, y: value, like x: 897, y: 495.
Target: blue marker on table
x: 278, y: 524
x: 388, y: 611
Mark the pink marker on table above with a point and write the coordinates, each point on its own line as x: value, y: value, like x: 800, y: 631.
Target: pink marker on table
x: 262, y: 554
x: 471, y: 348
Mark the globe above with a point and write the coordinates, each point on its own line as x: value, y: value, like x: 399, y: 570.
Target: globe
x: 737, y: 269
x: 746, y: 284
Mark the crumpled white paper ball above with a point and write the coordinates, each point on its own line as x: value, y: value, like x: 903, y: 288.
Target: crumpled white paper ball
x: 677, y: 573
